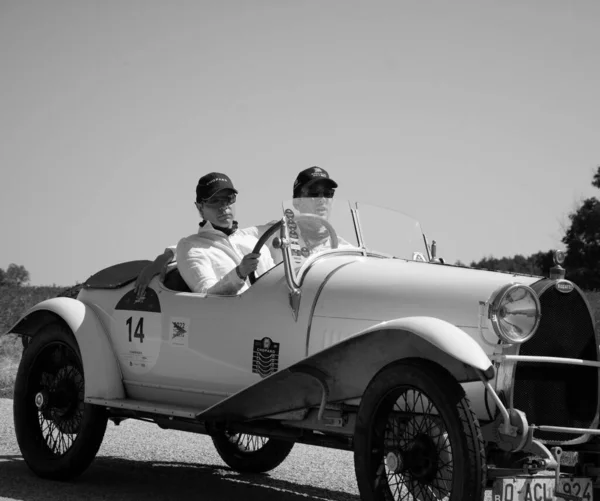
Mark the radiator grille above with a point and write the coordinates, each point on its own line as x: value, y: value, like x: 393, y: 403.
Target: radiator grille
x: 554, y: 394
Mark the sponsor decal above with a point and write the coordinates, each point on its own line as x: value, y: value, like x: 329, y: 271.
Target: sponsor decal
x: 179, y: 331
x: 265, y: 357
x: 289, y: 214
x: 292, y: 226
x: 293, y: 234
x: 564, y: 286
x: 305, y: 252
x: 215, y: 180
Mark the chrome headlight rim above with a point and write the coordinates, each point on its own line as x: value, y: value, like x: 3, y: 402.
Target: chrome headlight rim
x: 497, y: 301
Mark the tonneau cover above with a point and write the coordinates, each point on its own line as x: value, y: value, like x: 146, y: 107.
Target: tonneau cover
x: 116, y: 276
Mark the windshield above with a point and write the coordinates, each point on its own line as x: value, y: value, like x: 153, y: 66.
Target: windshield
x: 315, y: 225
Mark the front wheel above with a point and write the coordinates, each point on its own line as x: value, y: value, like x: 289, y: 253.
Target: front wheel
x: 417, y: 438
x: 250, y: 453
x: 58, y: 434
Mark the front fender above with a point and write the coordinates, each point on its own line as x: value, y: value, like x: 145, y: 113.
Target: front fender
x: 103, y: 377
x: 346, y: 368
x: 444, y: 336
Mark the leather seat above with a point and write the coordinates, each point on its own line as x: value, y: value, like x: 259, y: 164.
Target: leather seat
x: 175, y: 282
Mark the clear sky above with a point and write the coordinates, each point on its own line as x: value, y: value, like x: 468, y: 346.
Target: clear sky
x: 481, y: 119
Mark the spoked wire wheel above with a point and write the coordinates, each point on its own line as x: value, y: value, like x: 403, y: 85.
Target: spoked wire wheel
x: 246, y: 442
x: 416, y: 438
x: 57, y: 432
x: 58, y: 398
x: 417, y: 455
x: 249, y: 453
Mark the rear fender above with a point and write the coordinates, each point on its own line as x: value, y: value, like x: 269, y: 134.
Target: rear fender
x: 103, y: 377
x: 346, y: 368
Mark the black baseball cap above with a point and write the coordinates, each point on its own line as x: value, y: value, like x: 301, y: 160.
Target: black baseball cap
x: 211, y: 183
x: 310, y: 176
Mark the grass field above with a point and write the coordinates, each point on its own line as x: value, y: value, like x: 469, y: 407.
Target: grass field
x: 14, y: 301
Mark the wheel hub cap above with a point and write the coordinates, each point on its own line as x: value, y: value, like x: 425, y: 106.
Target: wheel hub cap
x: 422, y: 458
x: 40, y: 400
x: 394, y: 462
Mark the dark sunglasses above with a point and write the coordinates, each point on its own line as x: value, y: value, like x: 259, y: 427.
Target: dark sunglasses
x: 221, y: 201
x: 318, y: 193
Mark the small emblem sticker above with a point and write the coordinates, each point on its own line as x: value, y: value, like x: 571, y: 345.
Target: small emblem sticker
x: 564, y: 286
x: 265, y: 357
x: 179, y: 331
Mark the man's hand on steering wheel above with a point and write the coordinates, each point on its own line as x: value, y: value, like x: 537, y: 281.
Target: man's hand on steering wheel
x: 248, y: 265
x: 299, y: 217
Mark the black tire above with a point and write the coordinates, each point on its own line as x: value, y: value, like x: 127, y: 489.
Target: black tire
x: 250, y: 453
x: 416, y: 434
x: 58, y: 434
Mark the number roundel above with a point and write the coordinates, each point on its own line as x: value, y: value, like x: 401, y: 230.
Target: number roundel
x: 137, y: 331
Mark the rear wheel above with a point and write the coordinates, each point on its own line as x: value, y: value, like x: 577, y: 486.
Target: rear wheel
x: 416, y: 438
x: 251, y: 453
x: 58, y: 434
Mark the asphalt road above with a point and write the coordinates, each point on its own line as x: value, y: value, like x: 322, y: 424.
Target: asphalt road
x: 140, y: 461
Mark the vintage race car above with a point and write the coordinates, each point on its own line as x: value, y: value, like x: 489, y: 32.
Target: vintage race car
x: 441, y: 379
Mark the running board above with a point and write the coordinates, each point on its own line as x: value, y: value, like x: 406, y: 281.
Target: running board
x: 145, y: 406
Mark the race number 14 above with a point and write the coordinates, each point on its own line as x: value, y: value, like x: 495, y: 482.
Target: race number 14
x: 139, y: 329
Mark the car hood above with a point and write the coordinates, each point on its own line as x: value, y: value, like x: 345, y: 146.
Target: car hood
x: 376, y: 290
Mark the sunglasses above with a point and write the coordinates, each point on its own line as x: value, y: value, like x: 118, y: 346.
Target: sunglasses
x: 318, y: 193
x: 221, y: 201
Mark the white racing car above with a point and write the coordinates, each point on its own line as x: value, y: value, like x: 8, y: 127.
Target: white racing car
x: 440, y: 379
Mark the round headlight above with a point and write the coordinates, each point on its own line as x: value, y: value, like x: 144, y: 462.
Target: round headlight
x: 514, y: 313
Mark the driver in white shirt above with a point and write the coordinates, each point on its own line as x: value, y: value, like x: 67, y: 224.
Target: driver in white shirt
x: 218, y: 258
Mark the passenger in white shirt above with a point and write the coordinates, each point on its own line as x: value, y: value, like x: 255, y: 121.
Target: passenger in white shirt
x: 218, y: 258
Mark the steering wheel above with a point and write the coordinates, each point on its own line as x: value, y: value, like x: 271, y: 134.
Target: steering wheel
x: 299, y: 217
x: 313, y: 217
x: 259, y: 245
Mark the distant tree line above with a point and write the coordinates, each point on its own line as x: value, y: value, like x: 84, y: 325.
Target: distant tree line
x: 536, y: 264
x: 14, y: 275
x: 582, y: 247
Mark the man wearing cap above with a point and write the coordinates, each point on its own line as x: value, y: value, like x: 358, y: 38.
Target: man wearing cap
x: 313, y: 191
x: 218, y: 258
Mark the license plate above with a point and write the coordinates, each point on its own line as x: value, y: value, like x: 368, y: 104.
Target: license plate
x: 541, y: 489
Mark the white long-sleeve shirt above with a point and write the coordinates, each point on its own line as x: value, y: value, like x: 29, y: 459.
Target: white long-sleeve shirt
x: 207, y: 259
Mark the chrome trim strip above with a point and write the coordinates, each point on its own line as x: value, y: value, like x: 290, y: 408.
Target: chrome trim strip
x: 550, y: 360
x: 426, y: 247
x: 358, y: 228
x: 561, y: 429
x: 177, y: 388
x: 314, y: 305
